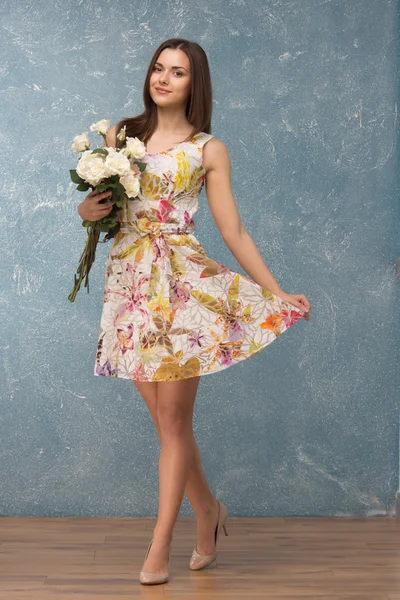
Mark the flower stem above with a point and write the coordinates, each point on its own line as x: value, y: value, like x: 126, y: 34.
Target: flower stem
x: 86, y: 260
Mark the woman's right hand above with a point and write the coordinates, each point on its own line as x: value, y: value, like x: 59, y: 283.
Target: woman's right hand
x: 91, y: 209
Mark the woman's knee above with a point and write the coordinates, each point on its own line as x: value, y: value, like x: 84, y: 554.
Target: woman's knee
x: 175, y: 402
x: 174, y: 419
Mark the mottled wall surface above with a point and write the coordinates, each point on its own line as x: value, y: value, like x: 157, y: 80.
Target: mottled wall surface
x: 305, y: 98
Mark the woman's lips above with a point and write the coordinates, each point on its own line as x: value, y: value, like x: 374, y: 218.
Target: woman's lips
x: 160, y: 91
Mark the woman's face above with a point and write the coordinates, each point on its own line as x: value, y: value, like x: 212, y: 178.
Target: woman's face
x: 171, y: 72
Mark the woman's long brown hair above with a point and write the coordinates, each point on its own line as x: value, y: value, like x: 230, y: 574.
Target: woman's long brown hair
x: 199, y: 104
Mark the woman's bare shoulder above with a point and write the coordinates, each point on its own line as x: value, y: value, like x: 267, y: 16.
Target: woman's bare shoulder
x: 214, y: 151
x: 215, y: 143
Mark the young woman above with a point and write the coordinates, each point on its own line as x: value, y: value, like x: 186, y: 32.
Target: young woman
x: 172, y: 314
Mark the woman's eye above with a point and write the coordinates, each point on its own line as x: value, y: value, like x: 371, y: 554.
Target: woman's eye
x: 159, y: 69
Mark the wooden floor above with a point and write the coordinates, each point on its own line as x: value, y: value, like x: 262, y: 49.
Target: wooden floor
x: 92, y: 558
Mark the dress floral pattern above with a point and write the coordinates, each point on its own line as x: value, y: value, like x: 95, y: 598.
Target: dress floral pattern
x: 171, y: 312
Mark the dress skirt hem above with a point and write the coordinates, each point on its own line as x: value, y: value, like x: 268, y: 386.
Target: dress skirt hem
x: 107, y: 371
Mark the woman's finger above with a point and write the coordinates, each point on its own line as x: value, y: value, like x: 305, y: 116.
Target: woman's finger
x: 104, y: 205
x: 304, y: 301
x: 102, y: 196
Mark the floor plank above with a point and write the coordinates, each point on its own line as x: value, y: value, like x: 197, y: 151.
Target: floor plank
x: 69, y: 558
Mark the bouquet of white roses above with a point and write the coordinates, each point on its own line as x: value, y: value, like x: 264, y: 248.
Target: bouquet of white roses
x: 105, y: 168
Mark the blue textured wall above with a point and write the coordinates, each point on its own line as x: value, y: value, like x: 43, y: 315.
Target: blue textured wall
x: 305, y: 98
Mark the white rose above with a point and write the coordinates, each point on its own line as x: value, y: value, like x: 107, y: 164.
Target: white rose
x: 81, y: 142
x: 134, y: 148
x: 91, y: 167
x: 122, y: 134
x: 131, y: 185
x: 100, y: 127
x: 110, y: 149
x: 117, y: 164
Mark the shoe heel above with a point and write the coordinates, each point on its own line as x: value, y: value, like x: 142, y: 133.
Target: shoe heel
x: 199, y: 561
x: 153, y: 578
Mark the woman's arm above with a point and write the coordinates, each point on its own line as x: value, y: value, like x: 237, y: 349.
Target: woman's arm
x: 223, y: 207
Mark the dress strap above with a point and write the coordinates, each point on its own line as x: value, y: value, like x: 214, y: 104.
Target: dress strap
x: 201, y: 138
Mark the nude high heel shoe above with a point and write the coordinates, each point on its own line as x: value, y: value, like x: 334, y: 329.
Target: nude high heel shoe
x: 200, y: 561
x: 147, y: 578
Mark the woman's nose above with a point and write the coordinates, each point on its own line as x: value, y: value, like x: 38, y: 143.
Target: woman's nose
x: 164, y: 77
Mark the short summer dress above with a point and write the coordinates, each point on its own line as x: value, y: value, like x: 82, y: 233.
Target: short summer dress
x: 171, y: 312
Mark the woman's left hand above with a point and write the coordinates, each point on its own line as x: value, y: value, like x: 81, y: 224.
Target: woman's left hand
x: 298, y: 300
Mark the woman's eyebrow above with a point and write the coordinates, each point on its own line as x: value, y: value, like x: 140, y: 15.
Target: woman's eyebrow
x: 158, y: 63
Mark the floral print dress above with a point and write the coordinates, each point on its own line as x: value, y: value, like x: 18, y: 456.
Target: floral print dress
x: 171, y: 312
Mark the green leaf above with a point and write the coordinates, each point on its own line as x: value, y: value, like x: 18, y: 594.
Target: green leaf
x: 141, y: 166
x: 120, y: 188
x: 103, y: 227
x: 102, y: 187
x: 100, y: 151
x: 75, y: 177
x: 82, y: 187
x: 86, y: 223
x: 111, y: 234
x: 118, y: 195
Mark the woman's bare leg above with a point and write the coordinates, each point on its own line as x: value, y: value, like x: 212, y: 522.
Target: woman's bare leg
x: 202, y: 501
